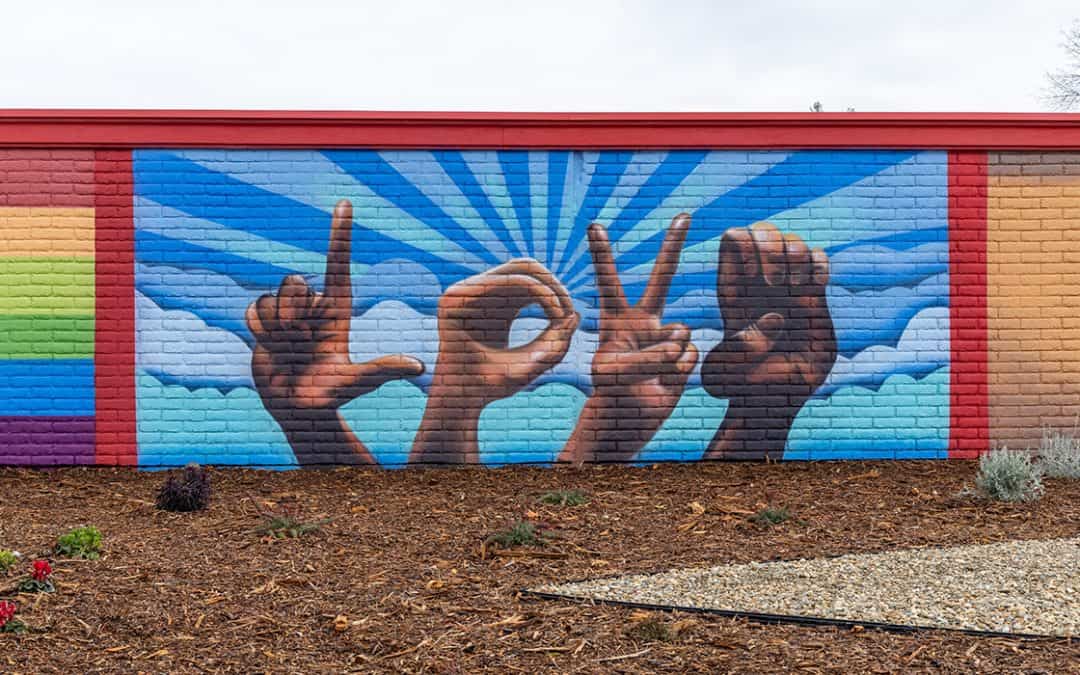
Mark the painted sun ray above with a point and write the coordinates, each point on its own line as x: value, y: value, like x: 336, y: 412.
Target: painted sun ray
x: 607, y: 169
x: 716, y: 174
x: 308, y: 177
x: 538, y: 203
x: 369, y: 167
x: 650, y: 189
x: 174, y: 224
x: 428, y: 174
x: 876, y: 206
x: 768, y: 194
x: 455, y: 166
x: 864, y: 209
x: 241, y: 206
x: 485, y: 165
x: 556, y: 188
x: 154, y: 249
x: 515, y: 170
x: 643, y: 166
x: 569, y: 199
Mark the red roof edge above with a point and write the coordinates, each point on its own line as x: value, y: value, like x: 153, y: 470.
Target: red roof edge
x: 585, y: 130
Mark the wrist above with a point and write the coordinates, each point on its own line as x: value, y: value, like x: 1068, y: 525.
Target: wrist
x: 448, y: 432
x: 752, y: 432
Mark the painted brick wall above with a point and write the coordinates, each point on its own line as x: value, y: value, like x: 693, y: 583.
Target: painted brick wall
x: 1033, y: 213
x: 162, y: 306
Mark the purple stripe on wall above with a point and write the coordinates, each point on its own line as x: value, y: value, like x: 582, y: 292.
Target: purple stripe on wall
x: 46, y: 440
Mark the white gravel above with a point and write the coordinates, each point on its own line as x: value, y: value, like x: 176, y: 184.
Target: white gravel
x: 1014, y: 587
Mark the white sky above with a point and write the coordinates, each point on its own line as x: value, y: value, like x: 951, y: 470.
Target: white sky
x: 962, y: 55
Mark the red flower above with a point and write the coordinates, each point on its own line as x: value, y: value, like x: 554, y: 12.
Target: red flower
x: 7, y: 611
x: 42, y: 570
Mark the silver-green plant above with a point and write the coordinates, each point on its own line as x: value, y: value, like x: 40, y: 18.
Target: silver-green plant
x: 1009, y: 476
x: 1059, y: 453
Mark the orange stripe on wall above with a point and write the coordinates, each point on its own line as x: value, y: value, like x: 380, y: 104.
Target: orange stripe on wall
x: 46, y: 231
x: 1033, y: 293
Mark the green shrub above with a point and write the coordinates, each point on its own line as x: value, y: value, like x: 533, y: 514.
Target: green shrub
x: 1009, y: 476
x: 522, y: 533
x: 770, y: 515
x: 651, y: 630
x: 82, y: 542
x: 1059, y: 454
x: 8, y: 560
x: 565, y: 498
x: 288, y: 527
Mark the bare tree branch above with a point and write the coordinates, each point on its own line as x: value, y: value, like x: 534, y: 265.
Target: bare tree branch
x: 1063, y: 90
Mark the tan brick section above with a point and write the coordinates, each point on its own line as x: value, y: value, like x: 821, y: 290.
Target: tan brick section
x: 1033, y: 287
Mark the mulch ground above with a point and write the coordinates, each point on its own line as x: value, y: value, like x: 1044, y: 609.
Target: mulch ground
x: 399, y: 579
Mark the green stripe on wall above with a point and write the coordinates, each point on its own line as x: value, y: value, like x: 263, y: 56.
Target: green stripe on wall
x: 46, y: 337
x: 47, y: 286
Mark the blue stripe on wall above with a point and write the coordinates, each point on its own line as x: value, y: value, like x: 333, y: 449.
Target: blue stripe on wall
x: 47, y: 387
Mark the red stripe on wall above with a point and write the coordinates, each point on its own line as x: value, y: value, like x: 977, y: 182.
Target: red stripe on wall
x: 114, y: 325
x: 968, y: 386
x: 46, y: 177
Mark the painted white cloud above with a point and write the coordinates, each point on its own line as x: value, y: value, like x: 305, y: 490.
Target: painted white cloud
x: 178, y: 347
x: 923, y: 348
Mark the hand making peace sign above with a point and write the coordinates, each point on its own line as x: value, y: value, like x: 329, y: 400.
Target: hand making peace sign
x: 641, y: 366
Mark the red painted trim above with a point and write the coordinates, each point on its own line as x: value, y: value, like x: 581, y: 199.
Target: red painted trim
x: 285, y: 129
x: 969, y: 432
x: 114, y: 325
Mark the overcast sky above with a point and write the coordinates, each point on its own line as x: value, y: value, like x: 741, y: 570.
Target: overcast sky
x: 535, y: 55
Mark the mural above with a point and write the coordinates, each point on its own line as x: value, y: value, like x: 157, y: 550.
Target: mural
x: 355, y: 306
x: 46, y: 307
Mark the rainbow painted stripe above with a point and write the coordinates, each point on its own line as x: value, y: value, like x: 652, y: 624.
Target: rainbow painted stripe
x: 46, y: 307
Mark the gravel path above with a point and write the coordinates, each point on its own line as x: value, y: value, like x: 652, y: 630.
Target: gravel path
x: 1016, y: 586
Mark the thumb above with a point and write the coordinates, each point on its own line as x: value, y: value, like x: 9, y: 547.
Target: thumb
x: 759, y: 338
x: 396, y: 367
x: 723, y: 374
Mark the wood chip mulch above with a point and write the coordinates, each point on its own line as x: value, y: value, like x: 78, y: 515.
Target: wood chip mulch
x: 400, y: 580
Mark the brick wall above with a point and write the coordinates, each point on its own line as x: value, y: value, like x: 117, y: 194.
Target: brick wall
x: 1033, y: 210
x: 162, y: 306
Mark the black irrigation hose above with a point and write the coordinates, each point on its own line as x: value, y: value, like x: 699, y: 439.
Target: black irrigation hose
x: 774, y: 619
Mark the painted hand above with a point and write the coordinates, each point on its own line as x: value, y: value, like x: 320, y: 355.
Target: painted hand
x: 301, y: 363
x: 779, y: 344
x: 476, y: 365
x: 641, y: 366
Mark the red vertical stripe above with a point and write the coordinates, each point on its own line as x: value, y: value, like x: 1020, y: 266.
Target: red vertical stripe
x: 968, y: 386
x: 114, y: 325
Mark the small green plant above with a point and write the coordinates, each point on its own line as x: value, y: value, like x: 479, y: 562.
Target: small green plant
x: 1059, y: 454
x: 771, y: 515
x: 82, y: 542
x: 521, y: 533
x: 651, y: 630
x: 8, y: 560
x: 288, y: 527
x: 1009, y: 476
x: 565, y: 498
